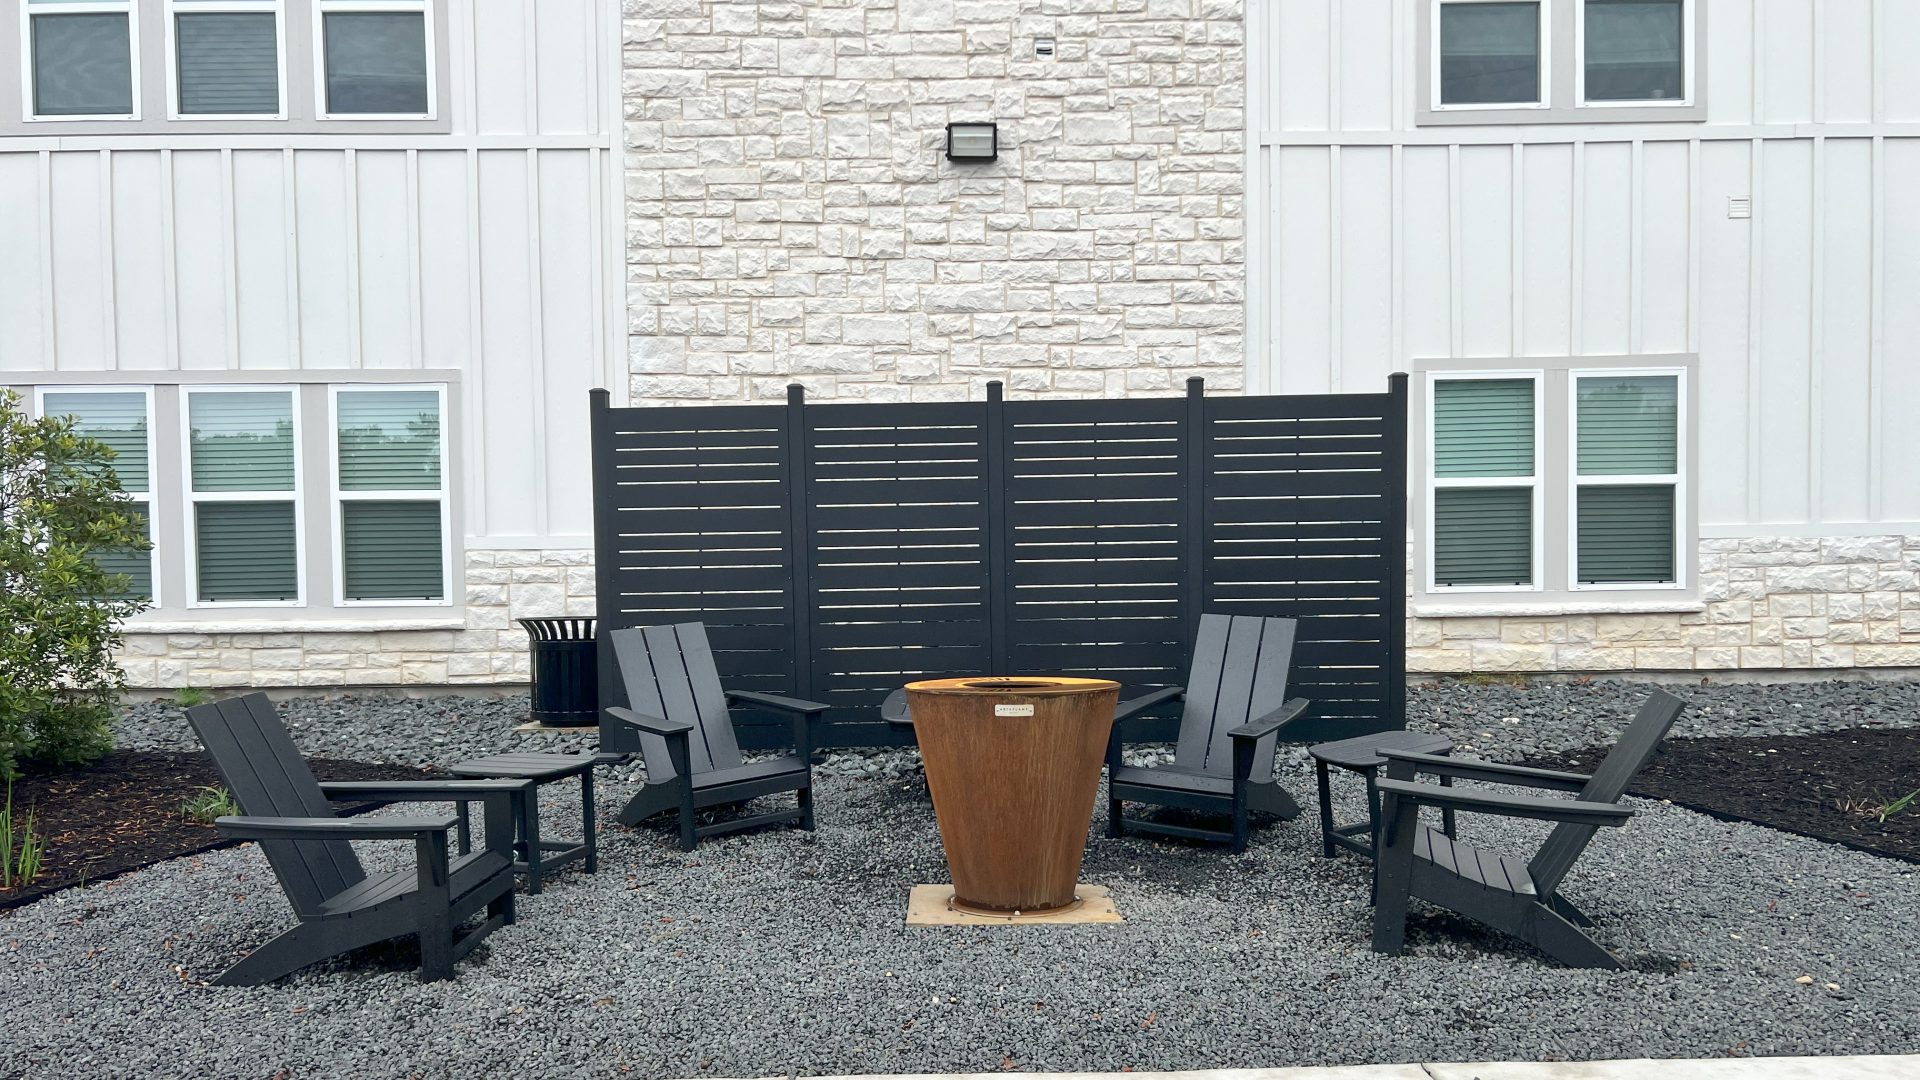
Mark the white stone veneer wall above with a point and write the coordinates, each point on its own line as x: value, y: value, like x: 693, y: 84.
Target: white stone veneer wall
x: 791, y: 214
x: 485, y: 646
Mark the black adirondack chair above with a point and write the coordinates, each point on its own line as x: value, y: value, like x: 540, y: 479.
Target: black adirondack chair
x: 1517, y: 897
x: 679, y: 711
x: 1236, y: 705
x: 340, y: 906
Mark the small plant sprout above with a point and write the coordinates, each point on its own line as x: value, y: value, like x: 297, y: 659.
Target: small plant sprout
x: 208, y: 804
x: 188, y: 696
x: 21, y: 847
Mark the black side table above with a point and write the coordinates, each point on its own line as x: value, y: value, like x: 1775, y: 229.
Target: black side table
x: 1360, y: 755
x: 537, y: 856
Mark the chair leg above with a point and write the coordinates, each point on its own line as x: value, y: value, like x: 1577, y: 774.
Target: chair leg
x: 295, y: 948
x: 1565, y: 909
x: 435, y: 908
x: 1393, y: 877
x: 1240, y: 826
x: 586, y: 821
x: 688, y: 840
x: 503, y: 907
x: 806, y: 806
x: 530, y: 837
x: 1554, y: 935
x: 1116, y: 824
x: 1326, y: 809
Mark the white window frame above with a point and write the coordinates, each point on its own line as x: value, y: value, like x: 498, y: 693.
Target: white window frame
x: 1436, y: 483
x: 28, y: 8
x: 191, y: 498
x: 340, y: 497
x: 323, y: 8
x: 144, y: 498
x: 1688, y: 28
x: 170, y: 35
x: 1543, y: 44
x: 1677, y: 479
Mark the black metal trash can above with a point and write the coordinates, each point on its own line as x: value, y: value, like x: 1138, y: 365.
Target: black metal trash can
x: 566, y: 673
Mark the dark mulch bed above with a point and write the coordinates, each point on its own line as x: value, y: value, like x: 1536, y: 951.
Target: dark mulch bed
x: 124, y: 812
x: 1825, y: 786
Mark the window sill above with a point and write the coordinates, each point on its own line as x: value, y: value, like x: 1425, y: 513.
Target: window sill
x: 339, y: 625
x: 1548, y: 608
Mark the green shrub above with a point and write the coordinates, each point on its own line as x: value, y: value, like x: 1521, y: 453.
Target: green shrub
x: 60, y: 613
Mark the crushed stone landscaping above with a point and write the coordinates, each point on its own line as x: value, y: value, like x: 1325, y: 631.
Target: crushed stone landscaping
x: 778, y: 952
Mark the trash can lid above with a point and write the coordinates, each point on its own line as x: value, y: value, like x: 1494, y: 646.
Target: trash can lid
x: 1015, y: 685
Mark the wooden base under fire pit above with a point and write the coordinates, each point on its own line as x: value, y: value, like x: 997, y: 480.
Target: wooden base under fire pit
x: 931, y: 905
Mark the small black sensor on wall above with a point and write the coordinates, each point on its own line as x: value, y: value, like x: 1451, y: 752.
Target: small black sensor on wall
x: 973, y: 142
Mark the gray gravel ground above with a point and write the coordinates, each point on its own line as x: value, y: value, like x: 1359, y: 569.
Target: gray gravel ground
x: 779, y: 951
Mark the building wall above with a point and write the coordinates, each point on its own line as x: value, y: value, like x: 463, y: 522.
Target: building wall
x: 488, y: 249
x: 790, y: 217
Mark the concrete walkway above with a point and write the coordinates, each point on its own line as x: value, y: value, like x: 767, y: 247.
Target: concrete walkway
x: 1903, y: 1067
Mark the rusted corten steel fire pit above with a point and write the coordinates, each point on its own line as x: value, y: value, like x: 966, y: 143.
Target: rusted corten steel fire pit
x: 1013, y: 765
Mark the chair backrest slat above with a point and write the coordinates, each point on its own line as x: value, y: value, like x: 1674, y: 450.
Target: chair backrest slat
x: 1240, y: 664
x: 268, y: 778
x: 1608, y: 784
x: 670, y: 675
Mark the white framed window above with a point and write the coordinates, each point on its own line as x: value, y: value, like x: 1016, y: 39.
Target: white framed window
x: 391, y: 521
x: 1627, y: 465
x: 245, y: 518
x: 1484, y: 493
x: 122, y: 418
x: 1491, y: 54
x: 226, y: 59
x: 81, y: 59
x: 374, y: 59
x: 1634, y: 54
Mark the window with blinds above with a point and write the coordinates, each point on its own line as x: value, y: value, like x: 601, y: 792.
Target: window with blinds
x: 226, y: 56
x: 243, y: 490
x: 118, y: 418
x: 390, y: 494
x: 374, y: 58
x: 1626, y: 478
x: 1485, y: 482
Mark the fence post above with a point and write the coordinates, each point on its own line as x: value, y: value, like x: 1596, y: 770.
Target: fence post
x: 1193, y: 592
x: 997, y: 455
x: 1396, y: 530
x: 799, y: 545
x: 616, y: 738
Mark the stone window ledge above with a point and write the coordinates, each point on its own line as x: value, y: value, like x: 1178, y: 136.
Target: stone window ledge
x: 1554, y: 608
x: 293, y: 626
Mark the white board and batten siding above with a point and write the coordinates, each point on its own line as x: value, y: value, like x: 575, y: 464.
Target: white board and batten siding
x: 492, y: 250
x: 1375, y: 242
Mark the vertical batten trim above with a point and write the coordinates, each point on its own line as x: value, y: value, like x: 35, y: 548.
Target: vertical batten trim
x: 1756, y: 67
x: 170, y: 260
x: 1818, y: 45
x: 1877, y: 335
x: 1636, y: 267
x: 1696, y: 221
x: 416, y: 307
x: 537, y: 335
x: 1454, y: 302
x: 290, y: 209
x: 1336, y: 120
x: 1577, y: 251
x: 1756, y: 277
x: 472, y: 42
x: 476, y: 352
x: 1876, y: 81
x: 1816, y: 332
x: 1257, y: 355
x: 49, y: 330
x: 350, y: 180
x: 1396, y: 196
x: 230, y: 256
x: 530, y: 64
x: 1336, y: 303
x: 1517, y: 256
x: 109, y: 329
x: 598, y: 276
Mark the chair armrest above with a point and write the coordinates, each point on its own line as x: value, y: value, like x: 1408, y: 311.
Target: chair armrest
x: 1273, y: 721
x: 648, y: 724
x: 1570, y: 811
x: 418, y: 790
x: 326, y: 828
x: 1127, y: 710
x: 776, y: 701
x: 1490, y: 772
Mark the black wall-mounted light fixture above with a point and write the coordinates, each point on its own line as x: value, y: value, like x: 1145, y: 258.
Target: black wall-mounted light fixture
x: 973, y: 142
